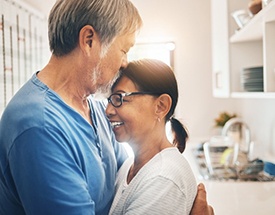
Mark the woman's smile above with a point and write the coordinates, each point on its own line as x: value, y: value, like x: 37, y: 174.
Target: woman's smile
x: 116, y: 124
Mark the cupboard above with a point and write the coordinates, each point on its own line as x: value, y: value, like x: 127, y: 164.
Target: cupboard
x: 235, y: 49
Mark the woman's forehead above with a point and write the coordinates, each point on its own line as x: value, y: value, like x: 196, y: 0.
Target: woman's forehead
x: 125, y: 84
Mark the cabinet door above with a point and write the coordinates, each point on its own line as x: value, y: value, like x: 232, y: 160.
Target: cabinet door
x: 269, y: 53
x: 220, y: 48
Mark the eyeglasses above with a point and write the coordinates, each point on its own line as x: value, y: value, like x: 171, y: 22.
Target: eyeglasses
x: 116, y: 99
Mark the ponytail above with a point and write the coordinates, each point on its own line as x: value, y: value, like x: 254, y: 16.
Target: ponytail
x: 180, y: 134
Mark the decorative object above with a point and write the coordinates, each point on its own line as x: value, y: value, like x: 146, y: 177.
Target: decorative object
x: 241, y: 17
x: 223, y: 118
x: 255, y: 6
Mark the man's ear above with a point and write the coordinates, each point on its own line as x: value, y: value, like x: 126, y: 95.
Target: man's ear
x: 164, y: 103
x: 86, y: 36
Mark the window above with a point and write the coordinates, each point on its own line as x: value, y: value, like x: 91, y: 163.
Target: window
x: 163, y: 51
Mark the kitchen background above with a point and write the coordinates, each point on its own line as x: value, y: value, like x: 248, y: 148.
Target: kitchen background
x: 188, y: 25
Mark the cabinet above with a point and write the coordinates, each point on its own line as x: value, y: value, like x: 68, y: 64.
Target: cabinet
x: 234, y: 49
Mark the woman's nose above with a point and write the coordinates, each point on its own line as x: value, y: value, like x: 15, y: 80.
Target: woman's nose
x: 110, y: 110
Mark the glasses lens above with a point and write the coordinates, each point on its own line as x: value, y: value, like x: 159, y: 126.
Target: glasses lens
x: 116, y: 100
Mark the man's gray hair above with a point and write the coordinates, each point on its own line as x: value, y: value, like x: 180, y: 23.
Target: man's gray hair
x: 109, y: 18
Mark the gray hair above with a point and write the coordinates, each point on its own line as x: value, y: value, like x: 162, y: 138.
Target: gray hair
x: 109, y: 18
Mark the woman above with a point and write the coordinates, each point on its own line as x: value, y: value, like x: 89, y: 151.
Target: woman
x: 158, y: 180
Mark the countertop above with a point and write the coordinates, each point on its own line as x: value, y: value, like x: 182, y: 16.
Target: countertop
x: 235, y: 197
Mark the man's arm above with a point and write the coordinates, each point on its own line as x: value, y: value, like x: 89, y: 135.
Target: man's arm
x: 200, y: 206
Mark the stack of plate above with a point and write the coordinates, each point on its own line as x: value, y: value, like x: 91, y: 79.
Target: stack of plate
x: 252, y: 79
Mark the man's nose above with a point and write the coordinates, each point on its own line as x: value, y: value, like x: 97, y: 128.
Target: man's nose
x: 124, y: 62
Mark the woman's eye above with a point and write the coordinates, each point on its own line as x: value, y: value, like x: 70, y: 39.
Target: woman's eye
x: 117, y: 99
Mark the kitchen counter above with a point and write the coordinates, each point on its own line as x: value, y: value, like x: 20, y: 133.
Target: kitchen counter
x: 235, y: 197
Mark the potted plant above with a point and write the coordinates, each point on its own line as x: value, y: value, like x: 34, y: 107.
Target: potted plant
x: 220, y: 121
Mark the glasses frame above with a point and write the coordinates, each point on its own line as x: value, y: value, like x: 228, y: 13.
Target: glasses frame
x: 122, y: 95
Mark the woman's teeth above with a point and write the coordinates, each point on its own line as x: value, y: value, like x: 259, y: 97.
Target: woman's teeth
x: 116, y: 124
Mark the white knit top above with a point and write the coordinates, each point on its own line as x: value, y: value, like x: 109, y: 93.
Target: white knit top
x: 165, y: 185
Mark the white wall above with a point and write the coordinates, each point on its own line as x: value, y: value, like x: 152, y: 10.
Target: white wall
x: 43, y: 6
x: 260, y: 116
x: 187, y: 23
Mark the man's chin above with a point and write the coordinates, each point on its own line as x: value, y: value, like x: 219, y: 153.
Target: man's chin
x: 102, y: 93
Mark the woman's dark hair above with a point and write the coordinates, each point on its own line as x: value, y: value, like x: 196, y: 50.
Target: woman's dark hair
x: 150, y: 75
x: 180, y: 134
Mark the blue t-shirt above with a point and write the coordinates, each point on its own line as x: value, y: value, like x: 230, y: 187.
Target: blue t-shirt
x: 52, y: 161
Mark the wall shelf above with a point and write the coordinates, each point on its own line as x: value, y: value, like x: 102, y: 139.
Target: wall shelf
x: 253, y: 30
x: 234, y: 50
x: 253, y: 95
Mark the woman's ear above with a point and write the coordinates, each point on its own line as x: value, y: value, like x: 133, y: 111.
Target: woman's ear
x: 164, y: 103
x: 86, y: 37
